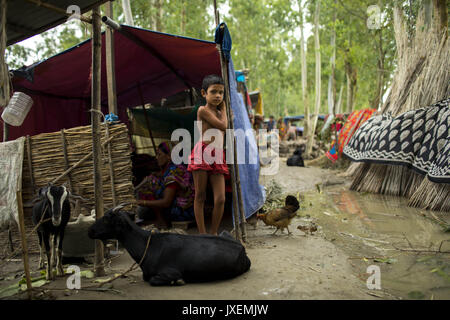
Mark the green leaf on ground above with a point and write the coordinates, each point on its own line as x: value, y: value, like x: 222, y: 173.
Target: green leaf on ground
x: 9, y: 291
x: 441, y: 273
x: 385, y: 260
x: 416, y: 295
x: 88, y: 274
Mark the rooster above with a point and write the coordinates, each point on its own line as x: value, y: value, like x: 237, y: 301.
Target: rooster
x: 281, y: 218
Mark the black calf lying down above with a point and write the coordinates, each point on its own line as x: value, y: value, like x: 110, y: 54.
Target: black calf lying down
x: 173, y: 258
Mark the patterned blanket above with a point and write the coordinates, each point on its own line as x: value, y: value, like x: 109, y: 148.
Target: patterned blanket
x: 354, y: 121
x: 418, y: 139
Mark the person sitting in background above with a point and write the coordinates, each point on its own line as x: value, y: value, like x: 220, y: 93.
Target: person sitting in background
x: 168, y: 195
x: 271, y: 124
x: 282, y: 129
x: 291, y: 132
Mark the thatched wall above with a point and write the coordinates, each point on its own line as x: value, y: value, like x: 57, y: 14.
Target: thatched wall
x: 422, y: 78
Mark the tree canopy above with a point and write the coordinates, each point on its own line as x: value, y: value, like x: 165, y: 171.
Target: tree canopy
x: 266, y: 40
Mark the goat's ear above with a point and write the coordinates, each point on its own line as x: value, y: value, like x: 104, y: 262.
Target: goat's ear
x: 42, y: 191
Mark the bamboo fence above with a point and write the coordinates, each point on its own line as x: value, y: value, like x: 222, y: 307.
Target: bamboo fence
x: 48, y: 157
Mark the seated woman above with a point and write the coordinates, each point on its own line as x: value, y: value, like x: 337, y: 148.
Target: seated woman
x: 167, y: 196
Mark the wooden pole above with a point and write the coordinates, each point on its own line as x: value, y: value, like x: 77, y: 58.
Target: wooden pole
x: 26, y: 265
x: 237, y: 180
x: 96, y: 132
x: 147, y: 120
x: 30, y: 164
x: 216, y: 13
x: 5, y: 131
x: 110, y: 62
x: 111, y: 168
x: 66, y: 159
x: 232, y: 168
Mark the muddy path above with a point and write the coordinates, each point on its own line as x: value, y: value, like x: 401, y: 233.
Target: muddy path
x: 330, y: 263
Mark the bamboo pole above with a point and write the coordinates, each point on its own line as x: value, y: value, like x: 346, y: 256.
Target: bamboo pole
x: 110, y: 62
x: 216, y: 13
x: 96, y: 132
x: 236, y: 181
x: 234, y: 169
x: 147, y: 121
x: 30, y: 164
x: 111, y: 168
x: 66, y: 159
x: 5, y: 131
x: 26, y: 265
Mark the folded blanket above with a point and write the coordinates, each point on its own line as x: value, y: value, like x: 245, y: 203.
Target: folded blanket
x: 418, y: 139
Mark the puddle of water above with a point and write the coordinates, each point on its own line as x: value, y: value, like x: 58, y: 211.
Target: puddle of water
x: 372, y: 228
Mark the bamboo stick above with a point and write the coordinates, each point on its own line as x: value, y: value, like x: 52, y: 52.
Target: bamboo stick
x: 232, y: 167
x: 96, y: 132
x: 236, y: 166
x: 66, y: 158
x: 147, y: 121
x: 111, y: 168
x: 110, y: 62
x: 24, y: 244
x: 30, y: 163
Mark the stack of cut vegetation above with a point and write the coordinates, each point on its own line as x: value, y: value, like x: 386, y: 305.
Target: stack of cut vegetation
x: 422, y: 78
x: 274, y: 196
x: 49, y: 155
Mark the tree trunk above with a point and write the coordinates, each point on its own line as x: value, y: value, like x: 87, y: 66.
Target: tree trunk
x: 318, y: 80
x: 351, y: 87
x: 183, y: 18
x: 351, y: 74
x: 304, y: 73
x: 127, y: 12
x: 159, y: 15
x: 428, y: 9
x: 339, y: 102
x: 332, y: 80
x: 441, y: 15
x: 375, y: 103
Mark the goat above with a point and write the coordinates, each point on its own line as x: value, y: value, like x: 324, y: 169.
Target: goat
x: 53, y: 205
x: 296, y: 159
x: 168, y: 258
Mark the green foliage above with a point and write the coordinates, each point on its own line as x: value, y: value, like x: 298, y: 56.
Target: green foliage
x: 265, y: 36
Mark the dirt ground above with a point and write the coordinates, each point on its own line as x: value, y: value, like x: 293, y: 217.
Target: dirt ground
x: 287, y: 267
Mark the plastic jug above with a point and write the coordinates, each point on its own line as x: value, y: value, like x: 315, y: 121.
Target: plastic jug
x: 17, y: 109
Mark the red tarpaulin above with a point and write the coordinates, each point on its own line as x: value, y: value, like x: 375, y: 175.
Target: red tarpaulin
x: 61, y: 85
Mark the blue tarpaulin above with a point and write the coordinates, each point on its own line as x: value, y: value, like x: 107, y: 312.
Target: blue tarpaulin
x: 253, y: 194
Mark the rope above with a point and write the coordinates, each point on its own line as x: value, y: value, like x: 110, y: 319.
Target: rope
x: 133, y: 266
x: 12, y: 254
x: 99, y: 112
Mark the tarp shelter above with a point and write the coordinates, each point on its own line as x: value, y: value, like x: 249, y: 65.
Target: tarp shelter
x: 257, y: 102
x: 61, y: 87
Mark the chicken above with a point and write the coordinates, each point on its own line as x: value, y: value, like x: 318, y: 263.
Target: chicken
x: 281, y: 218
x: 311, y: 228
